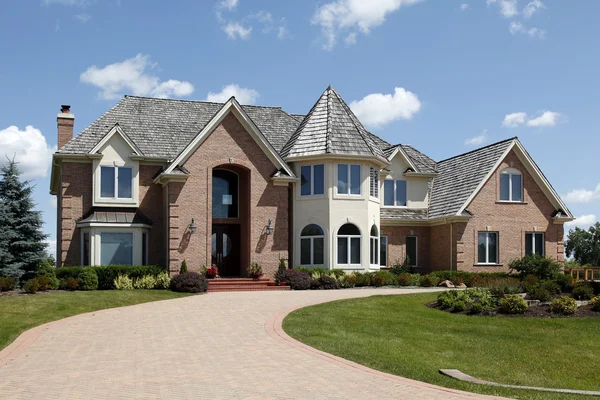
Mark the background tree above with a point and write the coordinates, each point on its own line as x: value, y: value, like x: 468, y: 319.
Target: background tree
x: 23, y: 247
x: 584, y: 245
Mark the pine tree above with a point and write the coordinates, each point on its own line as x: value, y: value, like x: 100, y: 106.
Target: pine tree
x: 23, y: 246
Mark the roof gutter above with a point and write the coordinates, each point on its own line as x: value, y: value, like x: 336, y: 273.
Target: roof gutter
x: 382, y: 162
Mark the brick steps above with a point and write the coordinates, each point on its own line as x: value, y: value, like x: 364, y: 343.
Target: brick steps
x: 242, y: 285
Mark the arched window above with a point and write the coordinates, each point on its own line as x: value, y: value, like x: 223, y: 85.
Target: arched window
x: 224, y: 194
x: 312, y: 245
x: 348, y: 245
x: 374, y: 245
x: 511, y: 185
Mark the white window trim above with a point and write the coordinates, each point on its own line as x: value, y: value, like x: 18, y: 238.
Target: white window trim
x: 312, y: 181
x: 395, y: 190
x: 349, y: 248
x: 374, y: 249
x: 116, y: 188
x: 381, y: 240
x: 348, y: 183
x: 377, y: 185
x: 95, y: 242
x: 533, y: 242
x: 133, y: 247
x: 510, y: 172
x: 416, y: 263
x: 487, y: 246
x: 116, y: 201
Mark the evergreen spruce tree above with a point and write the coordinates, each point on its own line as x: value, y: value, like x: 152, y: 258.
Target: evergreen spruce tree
x: 22, y: 245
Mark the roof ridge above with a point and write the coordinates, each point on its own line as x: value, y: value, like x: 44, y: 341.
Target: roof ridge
x: 478, y: 149
x: 197, y: 101
x: 328, y: 130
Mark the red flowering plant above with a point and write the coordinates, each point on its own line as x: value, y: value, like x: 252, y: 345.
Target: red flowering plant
x: 255, y: 271
x: 212, y: 272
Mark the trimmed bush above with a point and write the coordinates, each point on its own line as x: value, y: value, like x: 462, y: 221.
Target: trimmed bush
x: 471, y: 279
x: 347, y: 281
x: 384, y: 278
x: 88, y: 280
x: 459, y: 306
x: 446, y: 299
x: 31, y: 286
x: 7, y: 283
x: 68, y: 272
x: 162, y: 281
x: 189, y: 282
x: 329, y: 283
x: 145, y: 282
x: 123, y: 282
x: 298, y: 280
x: 48, y: 271
x: 563, y: 305
x: 108, y: 274
x: 534, y: 264
x: 429, y: 280
x: 43, y: 283
x: 539, y: 293
x: 512, y: 304
x: 69, y: 284
x: 476, y: 308
x: 564, y: 282
x: 595, y: 304
x: 363, y: 279
x: 583, y: 291
x: 406, y: 279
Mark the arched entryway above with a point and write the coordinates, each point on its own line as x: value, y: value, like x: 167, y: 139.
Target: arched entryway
x: 230, y: 239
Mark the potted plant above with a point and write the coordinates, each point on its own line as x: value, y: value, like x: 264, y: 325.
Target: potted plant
x: 212, y: 272
x: 255, y: 271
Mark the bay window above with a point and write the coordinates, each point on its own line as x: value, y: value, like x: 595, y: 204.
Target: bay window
x: 348, y: 179
x: 116, y: 248
x: 348, y: 245
x: 312, y: 179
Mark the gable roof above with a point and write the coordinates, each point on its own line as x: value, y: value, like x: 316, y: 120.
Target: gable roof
x: 162, y: 128
x: 417, y: 160
x: 331, y: 128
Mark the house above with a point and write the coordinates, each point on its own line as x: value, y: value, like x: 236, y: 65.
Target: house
x: 159, y: 181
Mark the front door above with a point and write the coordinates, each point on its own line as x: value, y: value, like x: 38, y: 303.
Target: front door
x: 226, y: 249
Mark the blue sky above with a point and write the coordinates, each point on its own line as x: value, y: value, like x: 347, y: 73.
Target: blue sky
x: 445, y: 76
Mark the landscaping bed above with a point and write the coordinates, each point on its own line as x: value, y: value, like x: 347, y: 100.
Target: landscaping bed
x: 540, y: 311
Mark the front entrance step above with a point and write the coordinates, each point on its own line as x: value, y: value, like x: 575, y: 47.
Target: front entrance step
x: 242, y: 285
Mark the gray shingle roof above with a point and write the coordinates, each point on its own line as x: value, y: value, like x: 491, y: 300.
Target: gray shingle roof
x: 421, y: 162
x: 116, y: 216
x: 331, y: 128
x: 163, y: 127
x: 459, y: 176
x: 403, y: 214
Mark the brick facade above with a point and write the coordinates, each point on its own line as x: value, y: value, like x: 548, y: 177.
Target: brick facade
x: 396, y: 236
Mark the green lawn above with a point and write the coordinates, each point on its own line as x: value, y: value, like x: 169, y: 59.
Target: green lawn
x: 400, y: 335
x: 19, y: 313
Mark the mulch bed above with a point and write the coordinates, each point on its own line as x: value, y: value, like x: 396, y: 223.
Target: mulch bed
x: 20, y: 292
x: 541, y: 311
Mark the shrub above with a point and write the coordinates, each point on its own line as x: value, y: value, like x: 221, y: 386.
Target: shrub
x: 363, y: 279
x: 347, y: 281
x: 429, y: 280
x: 123, y: 282
x: 337, y: 273
x: 145, y: 282
x: 564, y: 282
x: 318, y: 272
x: 550, y: 286
x: 43, y: 283
x: 329, y: 283
x: 68, y: 272
x: 595, y: 304
x: 31, y: 286
x: 446, y: 299
x: 459, y: 306
x: 383, y: 278
x: 500, y: 287
x: 184, y: 267
x: 539, y: 293
x: 583, y: 291
x: 7, y: 283
x: 254, y: 270
x: 48, y: 271
x: 530, y: 282
x: 512, y: 304
x: 108, y: 274
x: 190, y: 282
x: 306, y: 270
x: 315, y: 284
x: 457, y: 281
x: 295, y: 278
x: 476, y: 308
x: 88, y: 280
x: 162, y: 281
x: 69, y: 284
x: 471, y: 279
x: 563, y: 305
x: 534, y: 264
x: 406, y: 279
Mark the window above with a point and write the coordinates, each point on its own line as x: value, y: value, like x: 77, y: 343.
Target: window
x: 144, y: 248
x: 534, y: 244
x: 394, y: 193
x: 224, y: 194
x: 412, y: 254
x: 348, y: 246
x: 116, y: 248
x: 511, y: 185
x: 383, y: 251
x: 117, y: 180
x: 348, y: 179
x: 312, y: 245
x: 312, y: 180
x: 374, y: 182
x: 487, y: 248
x: 85, y: 250
x: 374, y: 246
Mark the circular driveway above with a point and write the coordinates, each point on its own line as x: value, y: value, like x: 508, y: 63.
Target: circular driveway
x: 213, y: 346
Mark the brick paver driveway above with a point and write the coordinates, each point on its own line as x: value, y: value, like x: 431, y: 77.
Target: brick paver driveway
x: 213, y: 346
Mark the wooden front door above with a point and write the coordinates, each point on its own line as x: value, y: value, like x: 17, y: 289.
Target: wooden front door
x: 226, y: 249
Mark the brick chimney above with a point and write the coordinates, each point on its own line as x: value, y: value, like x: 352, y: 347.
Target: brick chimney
x: 65, y: 121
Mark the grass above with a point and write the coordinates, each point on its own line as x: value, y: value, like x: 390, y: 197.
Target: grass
x: 400, y: 335
x: 19, y: 313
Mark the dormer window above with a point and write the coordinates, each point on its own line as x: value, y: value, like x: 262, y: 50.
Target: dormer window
x: 394, y: 193
x: 348, y: 179
x: 511, y: 185
x: 116, y: 182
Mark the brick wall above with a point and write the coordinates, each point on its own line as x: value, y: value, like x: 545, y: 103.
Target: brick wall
x: 440, y: 247
x: 397, y: 243
x: 510, y: 220
x: 151, y: 205
x: 228, y: 144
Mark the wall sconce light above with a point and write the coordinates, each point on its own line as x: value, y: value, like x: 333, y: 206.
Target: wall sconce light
x: 192, y: 227
x: 269, y: 228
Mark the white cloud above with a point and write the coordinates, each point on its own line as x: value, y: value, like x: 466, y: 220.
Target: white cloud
x: 78, y: 3
x: 236, y: 31
x: 29, y: 148
x: 353, y: 15
x: 350, y: 39
x: 477, y: 140
x: 132, y: 75
x: 582, y: 195
x: 583, y: 222
x: 51, y: 249
x: 242, y: 95
x: 379, y: 109
x: 228, y: 4
x: 282, y: 33
x: 83, y: 18
x: 517, y: 27
x: 547, y: 119
x: 464, y: 6
x: 532, y: 8
x: 508, y: 8
x: 515, y: 119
